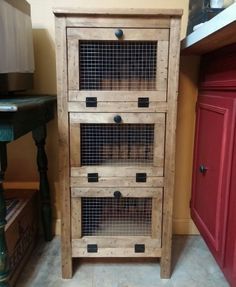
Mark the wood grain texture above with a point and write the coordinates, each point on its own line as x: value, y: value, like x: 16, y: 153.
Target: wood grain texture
x: 117, y: 170
x: 109, y: 34
x: 75, y: 157
x: 118, y: 96
x: 76, y: 218
x: 116, y: 182
x: 109, y: 192
x: 63, y: 131
x: 92, y: 21
x: 173, y: 77
x: 116, y: 12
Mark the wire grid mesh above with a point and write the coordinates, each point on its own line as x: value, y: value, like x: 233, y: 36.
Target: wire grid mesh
x: 112, y: 65
x: 113, y: 144
x: 116, y: 217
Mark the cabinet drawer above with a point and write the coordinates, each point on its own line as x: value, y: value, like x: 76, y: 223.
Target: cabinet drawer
x: 134, y: 215
x: 117, y: 69
x: 111, y: 150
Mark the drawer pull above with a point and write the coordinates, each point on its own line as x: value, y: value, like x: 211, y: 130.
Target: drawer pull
x: 141, y: 177
x: 117, y: 119
x: 143, y: 102
x: 139, y: 248
x: 91, y: 102
x: 119, y: 33
x: 92, y: 248
x: 117, y: 194
x: 92, y: 177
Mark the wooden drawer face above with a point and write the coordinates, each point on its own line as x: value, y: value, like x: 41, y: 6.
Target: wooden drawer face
x: 111, y: 151
x: 112, y: 69
x: 99, y: 215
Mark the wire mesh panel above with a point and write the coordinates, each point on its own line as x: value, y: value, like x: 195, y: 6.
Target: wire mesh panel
x: 116, y: 217
x: 112, y: 65
x: 112, y: 144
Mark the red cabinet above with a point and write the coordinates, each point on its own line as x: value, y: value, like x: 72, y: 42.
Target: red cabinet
x: 213, y: 203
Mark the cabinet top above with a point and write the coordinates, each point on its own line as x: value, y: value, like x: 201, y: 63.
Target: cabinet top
x: 60, y: 12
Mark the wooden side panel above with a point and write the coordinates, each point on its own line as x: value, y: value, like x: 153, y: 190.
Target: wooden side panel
x: 173, y: 77
x: 61, y: 54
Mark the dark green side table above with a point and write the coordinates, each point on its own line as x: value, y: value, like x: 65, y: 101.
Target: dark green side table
x: 18, y: 116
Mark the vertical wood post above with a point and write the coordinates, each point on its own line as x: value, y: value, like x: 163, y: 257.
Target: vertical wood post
x: 39, y: 136
x: 4, y: 259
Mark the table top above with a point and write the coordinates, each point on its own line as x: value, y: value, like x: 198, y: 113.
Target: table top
x: 24, y: 113
x: 20, y: 103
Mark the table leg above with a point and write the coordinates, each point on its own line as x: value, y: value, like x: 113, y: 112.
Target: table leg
x: 39, y: 136
x: 4, y: 259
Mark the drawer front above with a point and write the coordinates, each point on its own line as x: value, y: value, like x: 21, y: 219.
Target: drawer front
x: 116, y: 218
x: 106, y: 153
x: 109, y: 68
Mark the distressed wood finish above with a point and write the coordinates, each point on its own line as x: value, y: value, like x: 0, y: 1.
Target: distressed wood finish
x: 127, y: 192
x: 173, y: 77
x: 162, y: 27
x: 63, y: 131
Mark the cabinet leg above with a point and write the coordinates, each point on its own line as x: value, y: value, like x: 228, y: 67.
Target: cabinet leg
x: 166, y: 262
x: 39, y: 136
x: 4, y: 259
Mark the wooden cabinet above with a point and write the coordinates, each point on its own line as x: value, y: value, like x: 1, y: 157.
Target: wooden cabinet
x: 213, y: 195
x: 117, y: 74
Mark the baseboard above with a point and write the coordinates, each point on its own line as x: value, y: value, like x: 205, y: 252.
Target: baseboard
x: 184, y: 226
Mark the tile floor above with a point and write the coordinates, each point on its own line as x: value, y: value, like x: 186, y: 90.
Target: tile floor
x: 193, y: 265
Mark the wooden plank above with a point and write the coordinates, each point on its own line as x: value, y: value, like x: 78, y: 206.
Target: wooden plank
x: 126, y: 192
x: 117, y: 170
x: 76, y: 220
x: 107, y: 107
x: 118, y: 96
x: 106, y: 118
x: 73, y: 64
x: 124, y: 21
x: 173, y: 77
x: 157, y: 217
x: 109, y: 34
x: 60, y: 11
x: 75, y: 157
x: 159, y: 143
x: 150, y: 252
x: 162, y: 65
x: 63, y: 130
x: 116, y: 241
x: 116, y: 181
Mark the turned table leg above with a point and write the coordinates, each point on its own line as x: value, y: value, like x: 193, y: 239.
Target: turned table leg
x: 4, y: 259
x: 39, y: 136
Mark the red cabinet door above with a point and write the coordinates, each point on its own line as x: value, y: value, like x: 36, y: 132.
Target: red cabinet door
x: 211, y: 173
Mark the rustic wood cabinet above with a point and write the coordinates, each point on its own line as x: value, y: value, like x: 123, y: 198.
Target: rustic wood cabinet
x: 213, y: 195
x: 117, y: 75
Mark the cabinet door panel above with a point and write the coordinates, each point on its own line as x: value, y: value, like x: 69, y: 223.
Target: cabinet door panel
x: 213, y: 148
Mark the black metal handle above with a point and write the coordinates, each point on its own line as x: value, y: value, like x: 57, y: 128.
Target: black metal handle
x: 202, y: 169
x: 117, y: 194
x: 119, y: 33
x: 117, y: 119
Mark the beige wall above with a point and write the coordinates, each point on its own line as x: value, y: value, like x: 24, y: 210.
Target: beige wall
x: 22, y: 152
